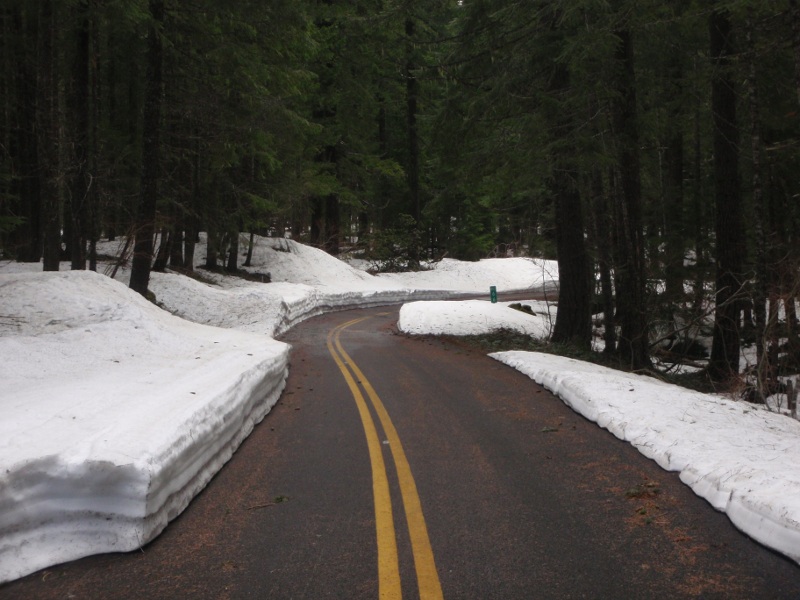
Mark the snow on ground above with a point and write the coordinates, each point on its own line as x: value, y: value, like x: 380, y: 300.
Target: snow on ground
x: 475, y: 316
x: 740, y: 457
x: 116, y: 413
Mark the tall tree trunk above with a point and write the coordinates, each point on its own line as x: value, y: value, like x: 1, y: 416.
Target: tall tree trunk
x: 233, y: 253
x: 631, y: 273
x: 332, y: 224
x: 192, y: 219
x: 248, y: 261
x: 49, y: 141
x: 698, y: 212
x: 794, y: 15
x: 27, y: 183
x: 673, y: 195
x: 146, y: 215
x: 213, y: 239
x: 603, y: 244
x: 77, y: 207
x: 724, y: 361
x: 412, y: 92
x: 573, y: 318
x: 317, y: 222
x: 764, y: 371
x: 93, y: 209
x: 162, y: 254
x: 412, y: 175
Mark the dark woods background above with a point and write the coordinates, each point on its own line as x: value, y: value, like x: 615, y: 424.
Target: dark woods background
x: 650, y: 147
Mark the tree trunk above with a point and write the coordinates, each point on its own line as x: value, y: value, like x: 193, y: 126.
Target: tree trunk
x: 27, y: 183
x: 317, y: 222
x: 93, y: 208
x: 573, y: 318
x: 192, y: 220
x: 412, y: 92
x: 248, y: 261
x: 765, y: 375
x: 176, y: 245
x: 631, y: 272
x: 162, y: 255
x: 77, y: 207
x: 794, y: 13
x: 146, y: 216
x: 233, y: 253
x: 603, y: 244
x: 49, y: 142
x: 673, y: 196
x: 724, y: 361
x: 332, y: 225
x: 212, y: 248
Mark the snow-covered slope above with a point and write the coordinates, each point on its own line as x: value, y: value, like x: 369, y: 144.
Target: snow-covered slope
x: 740, y: 457
x: 115, y: 414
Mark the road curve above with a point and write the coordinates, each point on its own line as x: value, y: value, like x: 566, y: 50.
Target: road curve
x: 519, y: 497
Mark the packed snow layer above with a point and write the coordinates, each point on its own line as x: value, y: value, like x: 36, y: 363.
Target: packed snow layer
x: 267, y: 309
x: 740, y: 457
x: 475, y: 317
x: 115, y: 414
x: 506, y: 274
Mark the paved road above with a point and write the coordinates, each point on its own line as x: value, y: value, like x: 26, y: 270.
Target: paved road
x: 483, y: 486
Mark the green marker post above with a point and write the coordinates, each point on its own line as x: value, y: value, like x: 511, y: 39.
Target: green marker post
x: 493, y: 294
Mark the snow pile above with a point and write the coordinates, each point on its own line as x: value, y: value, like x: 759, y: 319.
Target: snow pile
x: 506, y: 274
x: 115, y: 414
x: 475, y: 317
x: 740, y: 457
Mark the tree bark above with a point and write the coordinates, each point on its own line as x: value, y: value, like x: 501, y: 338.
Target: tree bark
x: 233, y: 253
x: 673, y: 195
x: 49, y: 141
x: 27, y: 183
x: 332, y: 224
x: 573, y: 317
x: 631, y: 272
x: 250, y: 243
x: 603, y: 245
x: 412, y: 92
x: 764, y: 372
x: 724, y: 361
x: 80, y: 181
x: 146, y: 216
x: 794, y: 14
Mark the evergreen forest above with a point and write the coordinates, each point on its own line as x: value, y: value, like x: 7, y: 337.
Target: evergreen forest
x: 650, y: 147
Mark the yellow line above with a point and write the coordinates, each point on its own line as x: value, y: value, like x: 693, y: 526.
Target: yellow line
x: 427, y: 577
x: 388, y: 564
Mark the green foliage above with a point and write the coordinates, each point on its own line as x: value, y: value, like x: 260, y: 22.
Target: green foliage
x: 394, y: 250
x: 9, y: 223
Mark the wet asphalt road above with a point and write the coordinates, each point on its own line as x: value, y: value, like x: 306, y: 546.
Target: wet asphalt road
x: 522, y: 498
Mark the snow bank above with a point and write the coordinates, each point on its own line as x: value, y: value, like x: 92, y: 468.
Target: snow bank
x: 740, y: 457
x: 474, y: 317
x: 115, y: 414
x: 506, y: 274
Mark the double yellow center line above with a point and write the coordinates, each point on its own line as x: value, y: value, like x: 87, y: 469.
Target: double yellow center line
x: 388, y: 562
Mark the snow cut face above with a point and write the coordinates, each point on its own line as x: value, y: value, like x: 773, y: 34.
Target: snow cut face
x: 740, y: 457
x: 116, y: 414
